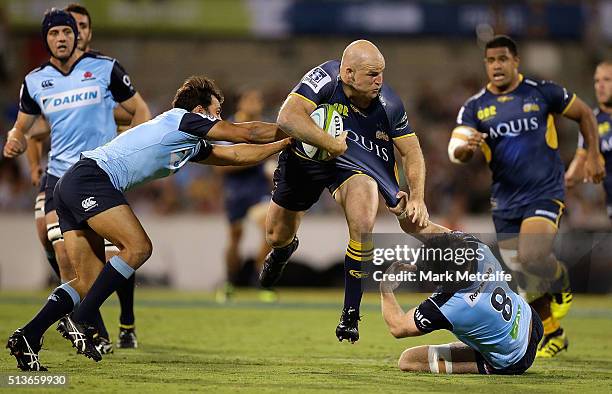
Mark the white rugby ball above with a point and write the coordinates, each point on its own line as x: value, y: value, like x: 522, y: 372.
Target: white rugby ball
x: 326, y: 117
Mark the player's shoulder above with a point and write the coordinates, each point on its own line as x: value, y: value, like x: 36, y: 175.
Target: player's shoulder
x: 39, y: 71
x: 330, y: 67
x: 541, y: 84
x: 479, y: 96
x: 391, y: 102
x: 95, y: 55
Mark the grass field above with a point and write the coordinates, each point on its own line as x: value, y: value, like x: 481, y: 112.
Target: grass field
x: 189, y: 343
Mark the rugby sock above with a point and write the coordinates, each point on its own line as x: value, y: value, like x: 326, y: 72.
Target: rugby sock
x: 53, y: 262
x: 99, y: 324
x: 358, y: 255
x: 550, y: 325
x: 281, y: 255
x: 126, y: 299
x: 114, y: 274
x: 60, y: 303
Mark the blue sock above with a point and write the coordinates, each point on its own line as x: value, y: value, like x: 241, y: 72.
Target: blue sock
x: 114, y: 274
x: 126, y: 300
x: 99, y: 324
x: 355, y: 262
x: 60, y: 303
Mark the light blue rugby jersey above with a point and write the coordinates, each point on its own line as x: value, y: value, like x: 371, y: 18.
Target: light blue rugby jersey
x: 78, y: 105
x: 155, y: 149
x: 487, y: 316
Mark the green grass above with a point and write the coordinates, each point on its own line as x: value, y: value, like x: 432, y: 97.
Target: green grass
x: 189, y: 343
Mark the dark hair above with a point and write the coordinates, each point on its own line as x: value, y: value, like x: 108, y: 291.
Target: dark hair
x: 78, y: 9
x: 439, y: 257
x: 502, y: 41
x: 56, y: 17
x: 196, y: 90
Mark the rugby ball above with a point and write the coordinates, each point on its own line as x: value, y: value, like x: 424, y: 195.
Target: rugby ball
x: 326, y: 117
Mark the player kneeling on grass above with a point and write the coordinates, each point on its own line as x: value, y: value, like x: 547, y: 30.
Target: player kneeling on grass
x: 91, y: 205
x: 498, y: 331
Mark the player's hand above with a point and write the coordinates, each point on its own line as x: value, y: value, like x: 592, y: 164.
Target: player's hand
x: 475, y: 140
x: 13, y: 147
x: 35, y: 175
x: 594, y: 168
x: 339, y: 146
x: 387, y: 285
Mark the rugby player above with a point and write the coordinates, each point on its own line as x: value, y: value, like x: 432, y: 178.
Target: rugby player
x: 511, y: 121
x: 92, y: 206
x: 40, y: 130
x: 76, y: 92
x: 375, y: 123
x: 603, y: 113
x: 246, y: 194
x: 498, y: 331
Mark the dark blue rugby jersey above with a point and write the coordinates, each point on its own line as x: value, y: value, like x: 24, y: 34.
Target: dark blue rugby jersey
x: 604, y: 125
x: 370, y: 132
x: 521, y: 145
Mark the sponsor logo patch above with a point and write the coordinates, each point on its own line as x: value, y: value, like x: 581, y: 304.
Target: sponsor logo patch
x: 358, y: 274
x: 542, y: 212
x: 46, y: 84
x: 89, y: 203
x: 316, y: 79
x: 72, y: 99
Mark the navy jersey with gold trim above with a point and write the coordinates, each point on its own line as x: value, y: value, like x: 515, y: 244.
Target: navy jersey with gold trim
x: 521, y: 146
x: 370, y: 132
x: 604, y: 125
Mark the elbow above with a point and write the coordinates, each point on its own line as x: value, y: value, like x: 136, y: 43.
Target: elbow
x: 397, y: 331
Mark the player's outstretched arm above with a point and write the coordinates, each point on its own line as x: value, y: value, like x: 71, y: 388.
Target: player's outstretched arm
x: 16, y: 142
x: 575, y: 172
x: 413, y: 164
x: 137, y: 108
x: 463, y: 143
x: 594, y: 170
x: 294, y: 119
x: 243, y: 154
x: 400, y: 324
x: 246, y: 132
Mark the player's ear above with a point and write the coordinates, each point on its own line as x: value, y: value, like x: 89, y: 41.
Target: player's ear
x: 199, y: 109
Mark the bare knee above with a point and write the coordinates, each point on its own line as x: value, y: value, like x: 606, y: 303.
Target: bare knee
x: 138, y: 251
x: 407, y: 363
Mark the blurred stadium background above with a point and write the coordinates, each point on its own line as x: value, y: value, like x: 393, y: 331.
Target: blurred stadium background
x: 434, y: 56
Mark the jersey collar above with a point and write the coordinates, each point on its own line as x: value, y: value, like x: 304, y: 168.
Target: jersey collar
x: 83, y: 56
x: 502, y: 94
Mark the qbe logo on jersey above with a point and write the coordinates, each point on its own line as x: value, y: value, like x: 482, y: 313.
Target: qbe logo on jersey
x: 72, y: 99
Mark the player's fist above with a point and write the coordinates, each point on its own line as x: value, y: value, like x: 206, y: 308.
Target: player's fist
x: 594, y: 168
x: 13, y: 147
x: 339, y: 146
x: 475, y: 140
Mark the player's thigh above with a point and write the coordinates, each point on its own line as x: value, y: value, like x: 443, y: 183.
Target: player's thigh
x: 358, y: 196
x: 120, y: 226
x: 281, y: 224
x: 85, y: 249
x: 454, y: 357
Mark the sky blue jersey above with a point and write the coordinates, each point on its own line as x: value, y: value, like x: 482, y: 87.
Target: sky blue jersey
x: 487, y: 316
x: 155, y: 149
x: 78, y: 105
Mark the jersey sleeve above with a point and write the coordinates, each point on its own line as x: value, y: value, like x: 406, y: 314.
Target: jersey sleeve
x: 197, y: 124
x: 204, y: 151
x: 467, y: 115
x: 120, y: 84
x: 318, y: 84
x: 27, y: 104
x: 428, y: 318
x: 558, y: 98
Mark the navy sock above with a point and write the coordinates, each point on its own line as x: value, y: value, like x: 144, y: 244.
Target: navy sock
x: 99, y: 324
x: 355, y: 262
x: 53, y: 263
x: 113, y: 275
x: 60, y: 303
x: 281, y: 255
x: 126, y: 300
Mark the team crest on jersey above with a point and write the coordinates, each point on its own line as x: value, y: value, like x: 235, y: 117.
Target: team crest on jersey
x: 381, y: 135
x: 46, y: 84
x: 88, y: 75
x: 505, y: 99
x: 74, y: 98
x: 531, y: 107
x: 603, y: 128
x: 316, y: 79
